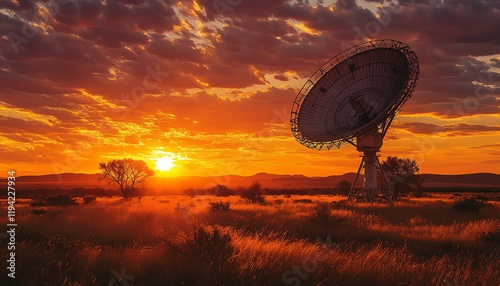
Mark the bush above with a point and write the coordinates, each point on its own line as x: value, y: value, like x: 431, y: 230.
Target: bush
x: 490, y: 238
x: 205, y: 244
x: 418, y: 193
x: 471, y: 205
x: 303, y: 201
x: 210, y: 243
x: 135, y: 193
x: 482, y: 198
x: 322, y: 213
x: 38, y: 203
x: 61, y: 200
x: 278, y: 201
x: 38, y: 211
x: 223, y: 191
x: 253, y: 193
x: 219, y: 206
x: 89, y: 199
x: 345, y: 187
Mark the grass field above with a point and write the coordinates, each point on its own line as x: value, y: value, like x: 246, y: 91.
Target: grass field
x: 292, y: 240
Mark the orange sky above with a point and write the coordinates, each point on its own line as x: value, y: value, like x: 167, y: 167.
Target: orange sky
x: 211, y: 86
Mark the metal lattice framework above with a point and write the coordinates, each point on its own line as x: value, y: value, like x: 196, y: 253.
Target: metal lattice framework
x: 382, y: 72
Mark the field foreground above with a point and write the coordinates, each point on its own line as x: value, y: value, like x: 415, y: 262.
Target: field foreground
x: 293, y: 240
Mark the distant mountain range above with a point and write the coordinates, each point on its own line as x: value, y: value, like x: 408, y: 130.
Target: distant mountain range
x: 272, y: 181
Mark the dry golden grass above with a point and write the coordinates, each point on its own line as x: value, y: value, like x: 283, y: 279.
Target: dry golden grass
x: 412, y: 242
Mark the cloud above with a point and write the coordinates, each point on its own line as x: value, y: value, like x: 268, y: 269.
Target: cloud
x: 459, y: 129
x: 229, y: 73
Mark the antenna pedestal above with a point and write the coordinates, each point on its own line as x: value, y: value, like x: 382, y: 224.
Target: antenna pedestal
x: 370, y: 145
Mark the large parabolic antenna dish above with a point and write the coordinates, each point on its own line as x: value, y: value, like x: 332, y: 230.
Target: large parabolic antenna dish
x: 352, y: 99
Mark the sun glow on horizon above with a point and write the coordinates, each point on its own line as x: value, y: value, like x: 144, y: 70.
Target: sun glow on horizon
x: 165, y: 163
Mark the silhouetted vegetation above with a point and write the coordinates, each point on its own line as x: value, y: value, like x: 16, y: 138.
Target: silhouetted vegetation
x: 38, y: 203
x: 322, y: 212
x: 99, y: 192
x: 401, y: 174
x: 209, y: 243
x: 38, y: 212
x: 61, y: 200
x: 490, y: 237
x: 207, y: 247
x: 254, y: 193
x: 223, y: 191
x: 219, y: 206
x: 418, y: 180
x: 303, y: 201
x: 217, y: 190
x: 469, y: 205
x: 180, y: 241
x: 89, y: 199
x: 128, y: 174
x: 74, y: 192
x: 345, y: 187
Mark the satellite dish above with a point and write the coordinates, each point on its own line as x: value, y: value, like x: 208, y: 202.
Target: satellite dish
x: 352, y: 99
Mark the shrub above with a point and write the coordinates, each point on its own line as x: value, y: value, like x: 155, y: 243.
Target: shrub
x: 278, y: 201
x: 89, y: 199
x: 468, y: 205
x: 135, y: 193
x: 344, y: 187
x: 38, y: 203
x: 223, y: 191
x: 418, y: 220
x: 219, y: 206
x: 342, y: 204
x: 61, y: 200
x: 482, y: 198
x: 322, y: 213
x: 253, y: 193
x: 205, y: 244
x: 303, y: 201
x: 210, y: 243
x: 490, y: 238
x: 38, y: 211
x: 418, y: 193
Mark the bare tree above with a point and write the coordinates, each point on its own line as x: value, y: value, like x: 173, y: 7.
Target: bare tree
x: 127, y: 173
x: 419, y: 180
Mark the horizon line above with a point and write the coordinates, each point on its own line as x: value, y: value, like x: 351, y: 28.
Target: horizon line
x: 255, y: 174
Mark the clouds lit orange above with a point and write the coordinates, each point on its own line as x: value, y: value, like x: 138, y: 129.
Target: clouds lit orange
x: 215, y: 83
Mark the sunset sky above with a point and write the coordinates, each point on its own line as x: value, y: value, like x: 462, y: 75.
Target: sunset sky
x: 210, y: 84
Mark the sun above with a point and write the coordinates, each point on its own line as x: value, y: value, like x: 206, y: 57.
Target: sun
x: 165, y: 163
